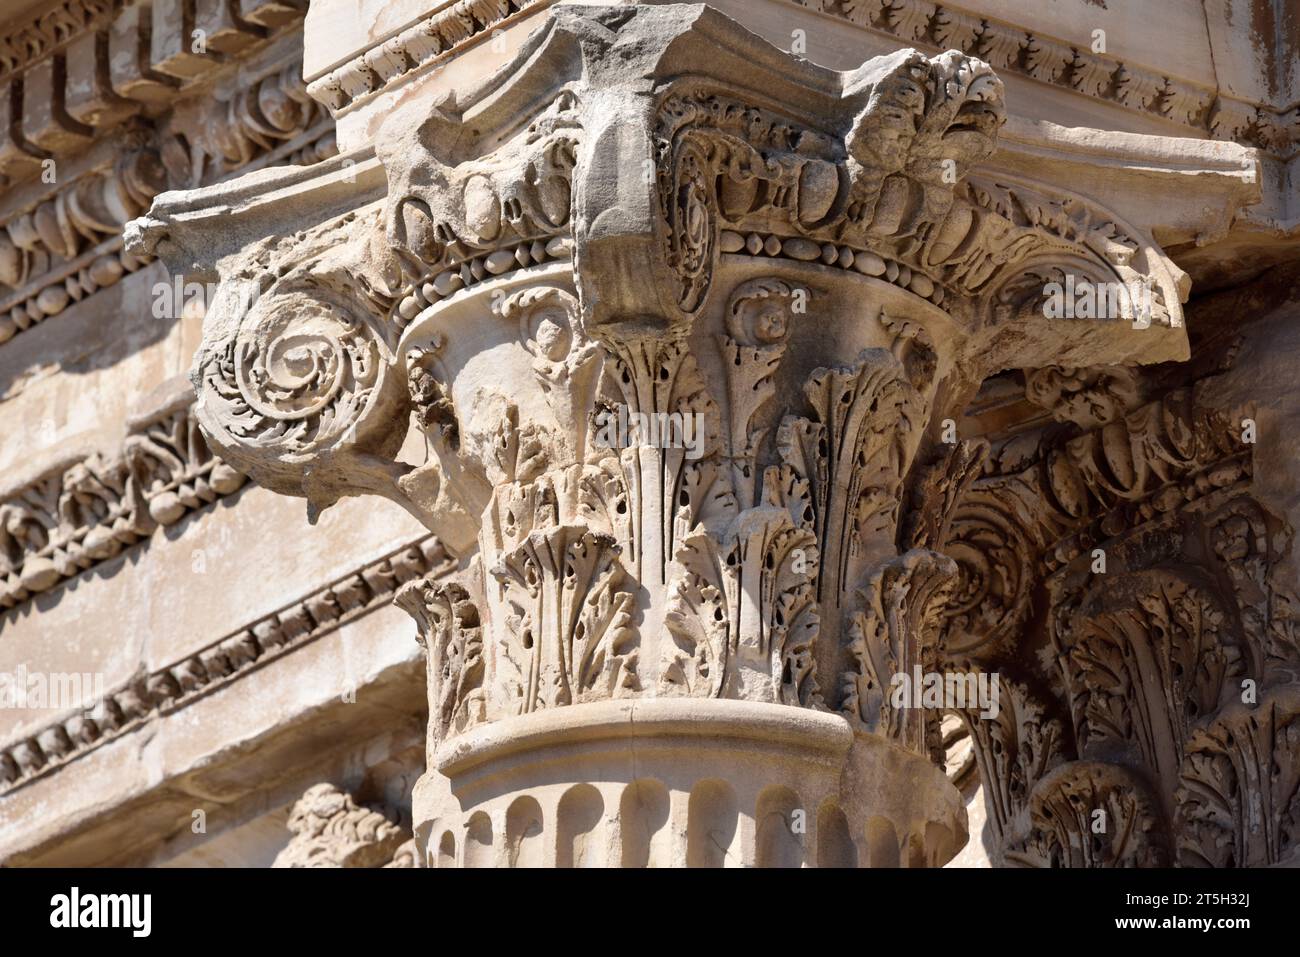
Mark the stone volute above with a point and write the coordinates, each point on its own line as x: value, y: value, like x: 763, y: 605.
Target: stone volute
x: 683, y: 324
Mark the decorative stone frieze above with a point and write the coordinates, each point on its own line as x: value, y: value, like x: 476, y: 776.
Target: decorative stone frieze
x: 85, y: 511
x: 90, y: 79
x: 1074, y: 66
x: 683, y: 324
x: 68, y: 246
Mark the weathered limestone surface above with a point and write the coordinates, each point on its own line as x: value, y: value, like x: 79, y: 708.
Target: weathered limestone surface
x: 709, y: 360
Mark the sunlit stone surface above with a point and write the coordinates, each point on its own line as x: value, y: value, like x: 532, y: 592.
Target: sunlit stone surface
x: 803, y: 434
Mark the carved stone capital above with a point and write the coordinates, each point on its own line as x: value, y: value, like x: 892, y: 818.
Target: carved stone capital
x: 678, y: 320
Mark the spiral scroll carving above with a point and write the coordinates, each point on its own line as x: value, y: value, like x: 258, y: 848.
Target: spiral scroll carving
x: 295, y: 378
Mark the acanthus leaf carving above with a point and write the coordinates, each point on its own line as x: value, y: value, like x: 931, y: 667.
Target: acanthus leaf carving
x: 1142, y: 672
x: 656, y: 378
x: 1239, y: 787
x: 571, y: 633
x: 742, y: 611
x: 451, y: 633
x: 1088, y: 814
x: 1014, y: 750
x: 896, y: 635
x: 1152, y: 598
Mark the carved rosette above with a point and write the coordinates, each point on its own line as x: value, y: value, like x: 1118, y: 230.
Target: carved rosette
x: 677, y: 338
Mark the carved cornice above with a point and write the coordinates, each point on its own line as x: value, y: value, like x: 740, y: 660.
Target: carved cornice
x: 455, y: 27
x: 67, y: 245
x: 90, y: 65
x: 206, y: 140
x: 85, y: 68
x: 222, y: 662
x: 51, y: 29
x: 1056, y: 62
x: 1006, y: 47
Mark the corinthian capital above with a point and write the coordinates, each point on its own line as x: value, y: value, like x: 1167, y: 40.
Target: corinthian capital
x: 679, y: 319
